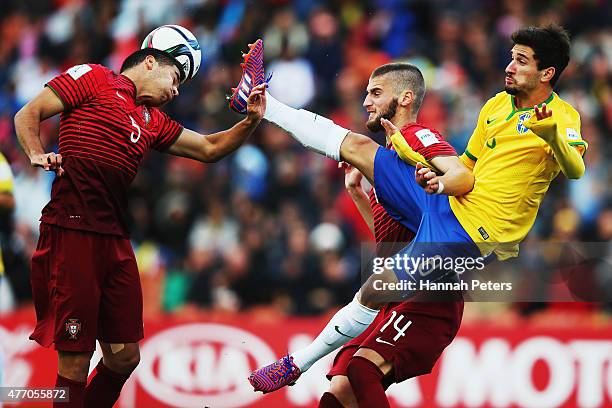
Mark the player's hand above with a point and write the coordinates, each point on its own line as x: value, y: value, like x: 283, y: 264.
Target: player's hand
x: 542, y: 114
x: 49, y: 162
x: 542, y: 123
x: 256, y: 105
x: 352, y: 177
x: 426, y: 178
x: 390, y: 128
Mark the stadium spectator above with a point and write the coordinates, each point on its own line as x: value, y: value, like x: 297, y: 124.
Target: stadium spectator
x: 342, y: 43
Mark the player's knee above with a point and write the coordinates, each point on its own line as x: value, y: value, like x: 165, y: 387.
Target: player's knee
x: 364, y: 368
x: 124, y: 361
x: 369, y: 297
x: 366, y: 297
x: 73, y: 366
x: 340, y: 388
x: 374, y: 293
x: 355, y: 145
x: 132, y: 361
x: 352, y: 371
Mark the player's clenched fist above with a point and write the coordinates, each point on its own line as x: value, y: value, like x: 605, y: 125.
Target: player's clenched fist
x: 49, y: 162
x: 427, y: 178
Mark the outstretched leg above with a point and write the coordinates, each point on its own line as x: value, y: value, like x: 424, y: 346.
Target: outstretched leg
x: 323, y: 136
x: 348, y: 323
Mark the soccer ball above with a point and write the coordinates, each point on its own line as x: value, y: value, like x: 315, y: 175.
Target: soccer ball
x: 181, y: 44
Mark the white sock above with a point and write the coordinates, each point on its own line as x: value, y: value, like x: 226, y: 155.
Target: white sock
x: 348, y: 323
x: 315, y: 132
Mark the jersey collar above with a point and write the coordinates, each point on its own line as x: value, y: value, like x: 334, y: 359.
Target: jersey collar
x: 515, y: 110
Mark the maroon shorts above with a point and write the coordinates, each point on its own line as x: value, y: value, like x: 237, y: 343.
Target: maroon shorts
x: 86, y: 287
x: 411, y: 335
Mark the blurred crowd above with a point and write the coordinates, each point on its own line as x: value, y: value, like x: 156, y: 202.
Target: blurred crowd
x: 271, y: 226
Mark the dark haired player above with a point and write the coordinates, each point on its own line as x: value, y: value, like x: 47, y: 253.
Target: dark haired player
x: 84, y: 278
x: 516, y: 150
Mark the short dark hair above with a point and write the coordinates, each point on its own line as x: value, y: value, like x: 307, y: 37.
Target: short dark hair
x: 405, y: 76
x: 162, y: 57
x: 550, y: 44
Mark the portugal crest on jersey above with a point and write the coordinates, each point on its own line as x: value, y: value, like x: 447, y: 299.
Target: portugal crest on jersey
x: 146, y: 116
x: 520, y: 127
x: 73, y: 327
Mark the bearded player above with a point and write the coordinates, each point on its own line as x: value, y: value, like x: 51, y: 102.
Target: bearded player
x: 516, y: 150
x: 402, y: 329
x: 85, y: 280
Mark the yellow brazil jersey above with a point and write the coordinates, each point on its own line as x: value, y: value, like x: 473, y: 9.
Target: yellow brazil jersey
x: 6, y: 187
x: 513, y: 169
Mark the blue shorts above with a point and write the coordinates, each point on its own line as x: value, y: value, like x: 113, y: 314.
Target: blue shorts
x: 438, y: 232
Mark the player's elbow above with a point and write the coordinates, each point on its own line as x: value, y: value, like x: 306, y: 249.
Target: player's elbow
x: 207, y: 152
x: 210, y: 155
x: 469, y: 178
x: 575, y: 172
x: 464, y: 180
x: 26, y: 116
x: 19, y: 117
x: 354, y: 146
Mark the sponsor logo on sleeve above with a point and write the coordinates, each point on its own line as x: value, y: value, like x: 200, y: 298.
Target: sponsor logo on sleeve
x: 572, y: 134
x: 78, y: 71
x: 426, y: 137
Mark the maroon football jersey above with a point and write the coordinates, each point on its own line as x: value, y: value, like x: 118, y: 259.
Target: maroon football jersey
x: 386, y: 229
x: 103, y: 136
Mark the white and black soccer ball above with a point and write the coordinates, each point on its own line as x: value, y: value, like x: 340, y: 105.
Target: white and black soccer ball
x: 180, y: 43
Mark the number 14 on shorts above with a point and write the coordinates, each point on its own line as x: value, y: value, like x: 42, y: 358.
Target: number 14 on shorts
x: 401, y: 331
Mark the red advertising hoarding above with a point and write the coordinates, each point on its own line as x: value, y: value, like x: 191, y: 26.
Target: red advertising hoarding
x: 204, y: 362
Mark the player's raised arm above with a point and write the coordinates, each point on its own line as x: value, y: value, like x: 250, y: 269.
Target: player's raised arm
x: 213, y: 147
x: 27, y: 127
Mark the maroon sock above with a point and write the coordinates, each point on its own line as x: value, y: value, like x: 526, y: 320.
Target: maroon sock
x: 104, y: 388
x: 329, y: 400
x: 366, y: 380
x: 76, y: 390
